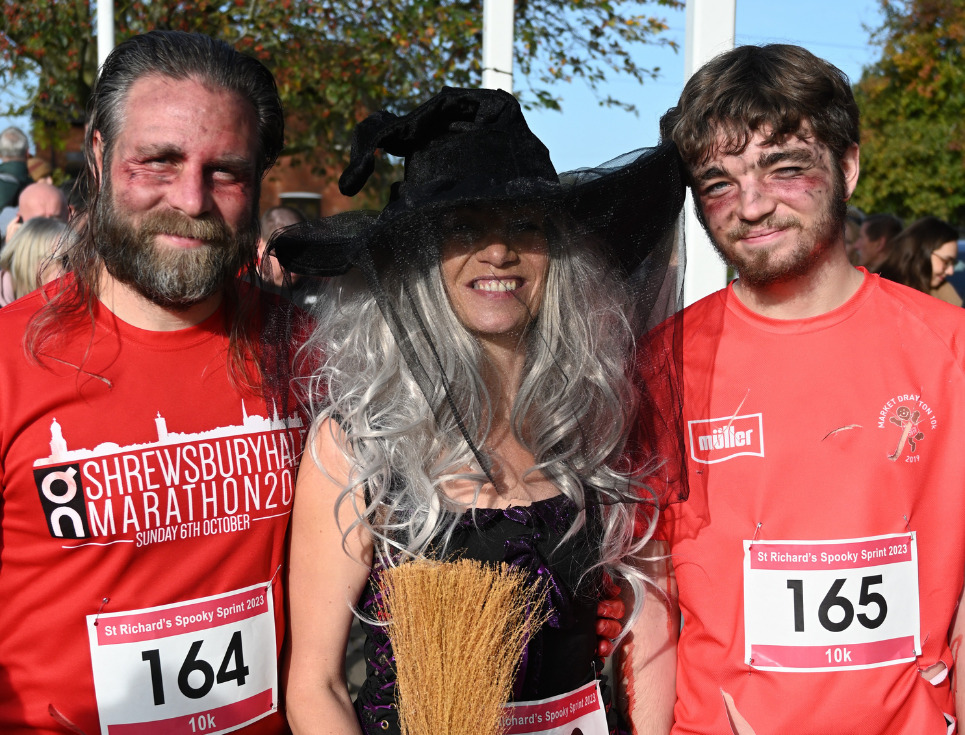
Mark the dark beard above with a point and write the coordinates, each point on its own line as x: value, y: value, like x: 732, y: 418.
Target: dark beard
x: 759, y: 270
x: 173, y: 278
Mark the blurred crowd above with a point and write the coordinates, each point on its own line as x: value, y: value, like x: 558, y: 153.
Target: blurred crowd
x: 923, y: 256
x: 33, y: 219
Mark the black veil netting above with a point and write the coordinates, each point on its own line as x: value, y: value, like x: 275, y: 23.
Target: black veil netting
x: 472, y: 149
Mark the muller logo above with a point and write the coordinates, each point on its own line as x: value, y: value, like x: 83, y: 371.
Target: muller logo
x: 716, y: 440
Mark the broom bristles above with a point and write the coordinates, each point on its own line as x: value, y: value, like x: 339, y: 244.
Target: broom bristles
x: 458, y: 630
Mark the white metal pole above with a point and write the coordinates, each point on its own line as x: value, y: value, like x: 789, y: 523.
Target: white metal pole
x: 105, y: 30
x: 497, y: 50
x: 710, y: 31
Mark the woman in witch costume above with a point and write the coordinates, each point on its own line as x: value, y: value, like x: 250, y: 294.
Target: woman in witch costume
x: 475, y: 397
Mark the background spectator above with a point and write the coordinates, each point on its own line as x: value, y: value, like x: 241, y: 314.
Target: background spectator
x: 39, y: 200
x: 300, y: 290
x: 876, y: 231
x: 29, y: 259
x: 852, y: 231
x: 40, y: 170
x: 14, y: 175
x: 272, y: 220
x: 922, y: 255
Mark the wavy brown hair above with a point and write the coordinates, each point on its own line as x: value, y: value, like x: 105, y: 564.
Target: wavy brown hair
x: 778, y: 88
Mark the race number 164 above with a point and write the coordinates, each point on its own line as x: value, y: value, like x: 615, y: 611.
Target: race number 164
x: 196, y: 676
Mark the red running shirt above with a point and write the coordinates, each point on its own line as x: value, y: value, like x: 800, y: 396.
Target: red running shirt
x: 145, y: 502
x: 820, y: 554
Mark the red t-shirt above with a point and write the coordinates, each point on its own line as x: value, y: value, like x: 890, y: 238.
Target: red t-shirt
x: 145, y: 502
x: 820, y: 554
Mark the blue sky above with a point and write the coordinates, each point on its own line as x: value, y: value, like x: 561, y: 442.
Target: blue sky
x: 585, y: 134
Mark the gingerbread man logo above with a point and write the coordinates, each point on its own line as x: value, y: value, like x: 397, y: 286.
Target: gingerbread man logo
x: 907, y: 420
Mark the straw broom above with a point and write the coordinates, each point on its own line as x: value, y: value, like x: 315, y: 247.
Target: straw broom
x: 458, y: 630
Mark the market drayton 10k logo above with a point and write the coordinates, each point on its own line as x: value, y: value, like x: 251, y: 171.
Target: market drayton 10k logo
x: 907, y: 418
x: 717, y: 440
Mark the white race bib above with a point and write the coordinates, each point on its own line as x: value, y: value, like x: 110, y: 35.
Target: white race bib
x: 207, y: 665
x: 582, y: 709
x: 831, y: 605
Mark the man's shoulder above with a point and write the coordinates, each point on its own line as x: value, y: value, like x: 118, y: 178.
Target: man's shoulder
x: 61, y: 328
x: 684, y: 324
x: 711, y: 303
x: 919, y: 321
x: 708, y: 306
x: 15, y: 321
x: 704, y: 317
x: 886, y: 296
x: 15, y: 316
x: 935, y: 313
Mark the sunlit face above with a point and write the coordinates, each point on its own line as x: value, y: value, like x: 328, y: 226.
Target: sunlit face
x: 944, y: 258
x: 775, y: 210
x: 176, y: 214
x: 494, y: 264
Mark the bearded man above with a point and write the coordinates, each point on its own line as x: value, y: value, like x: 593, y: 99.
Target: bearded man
x: 146, y: 462
x: 819, y: 558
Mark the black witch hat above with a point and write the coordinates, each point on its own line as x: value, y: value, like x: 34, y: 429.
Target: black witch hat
x: 466, y: 147
x: 473, y: 148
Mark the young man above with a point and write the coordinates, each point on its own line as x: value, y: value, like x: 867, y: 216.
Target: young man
x: 146, y: 465
x: 819, y: 557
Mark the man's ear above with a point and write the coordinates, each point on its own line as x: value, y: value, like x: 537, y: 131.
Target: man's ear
x: 850, y: 167
x: 98, y: 146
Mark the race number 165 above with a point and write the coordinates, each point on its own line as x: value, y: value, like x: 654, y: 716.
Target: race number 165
x: 840, y: 604
x: 836, y: 611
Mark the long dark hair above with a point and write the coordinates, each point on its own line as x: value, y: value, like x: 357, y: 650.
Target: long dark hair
x: 909, y: 252
x: 179, y: 56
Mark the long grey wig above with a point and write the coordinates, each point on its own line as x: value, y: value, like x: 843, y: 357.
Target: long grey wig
x: 573, y: 409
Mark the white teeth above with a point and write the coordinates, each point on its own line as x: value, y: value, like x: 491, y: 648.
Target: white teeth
x: 503, y: 285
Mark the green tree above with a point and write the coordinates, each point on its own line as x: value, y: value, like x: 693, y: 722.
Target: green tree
x: 912, y: 105
x: 335, y: 60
